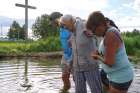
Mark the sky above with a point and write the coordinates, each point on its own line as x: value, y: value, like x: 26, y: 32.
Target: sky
x: 125, y: 13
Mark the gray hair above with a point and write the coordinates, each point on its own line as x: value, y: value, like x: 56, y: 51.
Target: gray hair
x: 66, y: 18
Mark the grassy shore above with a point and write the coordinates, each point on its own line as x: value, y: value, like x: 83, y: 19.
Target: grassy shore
x: 52, y: 44
x: 19, y: 47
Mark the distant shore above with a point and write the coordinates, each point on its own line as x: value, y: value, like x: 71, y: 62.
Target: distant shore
x: 38, y: 54
x: 44, y: 55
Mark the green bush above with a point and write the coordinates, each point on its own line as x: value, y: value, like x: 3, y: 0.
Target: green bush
x: 42, y: 45
x: 132, y: 45
x: 46, y: 45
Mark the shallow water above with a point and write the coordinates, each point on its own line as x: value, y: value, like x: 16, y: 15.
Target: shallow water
x: 39, y: 76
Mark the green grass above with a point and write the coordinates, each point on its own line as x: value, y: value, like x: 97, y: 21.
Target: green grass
x: 132, y: 45
x: 43, y: 45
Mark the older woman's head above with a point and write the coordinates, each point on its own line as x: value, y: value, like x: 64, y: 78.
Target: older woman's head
x: 96, y: 23
x: 67, y: 21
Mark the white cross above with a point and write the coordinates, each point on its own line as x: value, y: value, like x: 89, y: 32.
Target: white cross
x: 26, y: 6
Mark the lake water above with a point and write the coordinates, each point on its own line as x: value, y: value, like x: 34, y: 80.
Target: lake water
x: 39, y: 76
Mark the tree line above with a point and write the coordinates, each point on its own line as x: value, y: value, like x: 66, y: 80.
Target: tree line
x: 16, y: 31
x: 44, y: 26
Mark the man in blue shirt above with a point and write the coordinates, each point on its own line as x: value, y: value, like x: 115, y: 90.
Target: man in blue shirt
x: 67, y: 57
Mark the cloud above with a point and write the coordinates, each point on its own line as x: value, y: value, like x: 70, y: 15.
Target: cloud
x: 127, y: 13
x: 128, y: 5
x: 127, y: 16
x: 128, y: 23
x: 8, y: 8
x: 79, y: 8
x: 136, y: 5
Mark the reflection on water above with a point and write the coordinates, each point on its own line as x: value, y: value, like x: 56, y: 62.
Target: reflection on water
x: 29, y: 76
x: 39, y: 76
x: 135, y: 88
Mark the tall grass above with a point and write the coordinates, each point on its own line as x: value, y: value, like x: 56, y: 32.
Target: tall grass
x: 132, y: 44
x: 43, y: 45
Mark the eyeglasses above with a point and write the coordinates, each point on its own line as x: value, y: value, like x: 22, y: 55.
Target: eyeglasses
x: 63, y: 26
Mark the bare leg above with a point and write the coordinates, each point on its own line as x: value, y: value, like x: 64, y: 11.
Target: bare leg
x: 66, y: 81
x: 113, y: 90
x: 105, y: 89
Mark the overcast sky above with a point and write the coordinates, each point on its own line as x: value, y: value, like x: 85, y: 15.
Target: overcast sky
x: 123, y: 12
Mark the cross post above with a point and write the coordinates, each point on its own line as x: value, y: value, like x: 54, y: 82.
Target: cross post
x: 26, y: 6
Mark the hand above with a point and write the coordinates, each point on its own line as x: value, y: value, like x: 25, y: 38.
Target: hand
x: 88, y: 33
x: 97, y: 57
x: 95, y: 54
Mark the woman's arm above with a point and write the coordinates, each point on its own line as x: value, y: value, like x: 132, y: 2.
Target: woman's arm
x: 111, y: 45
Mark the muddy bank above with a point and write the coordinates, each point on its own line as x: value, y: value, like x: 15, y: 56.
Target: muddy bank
x: 57, y: 54
x: 39, y: 54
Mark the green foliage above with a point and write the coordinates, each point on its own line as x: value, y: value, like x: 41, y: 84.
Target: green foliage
x: 132, y: 43
x: 134, y: 33
x: 16, y: 32
x: 49, y: 44
x: 22, y: 33
x: 42, y: 28
x: 42, y: 45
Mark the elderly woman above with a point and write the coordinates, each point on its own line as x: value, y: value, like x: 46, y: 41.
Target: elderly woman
x: 85, y: 69
x: 115, y: 62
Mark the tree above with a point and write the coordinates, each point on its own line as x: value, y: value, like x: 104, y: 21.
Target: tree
x: 42, y: 28
x: 136, y: 32
x: 16, y: 31
x: 133, y: 33
x: 22, y: 34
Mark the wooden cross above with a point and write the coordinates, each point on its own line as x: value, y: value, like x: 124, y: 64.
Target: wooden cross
x: 26, y: 6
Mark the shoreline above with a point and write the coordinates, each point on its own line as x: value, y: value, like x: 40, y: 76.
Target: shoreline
x: 56, y: 54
